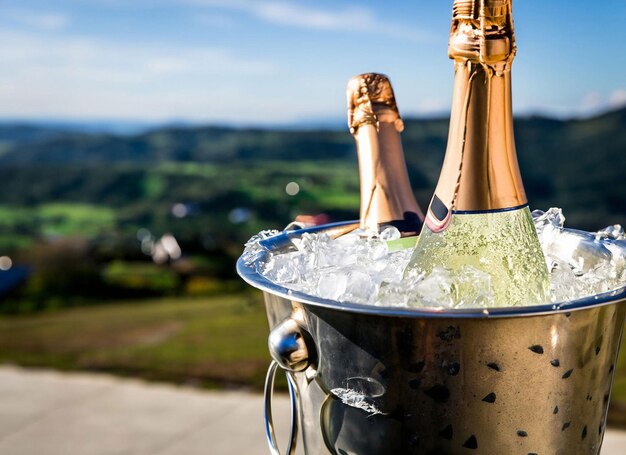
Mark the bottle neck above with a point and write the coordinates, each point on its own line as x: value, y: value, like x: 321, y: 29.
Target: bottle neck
x: 375, y: 122
x: 386, y: 195
x: 480, y: 171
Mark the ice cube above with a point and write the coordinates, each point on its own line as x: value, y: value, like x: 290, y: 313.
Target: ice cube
x: 553, y: 217
x: 474, y: 288
x: 390, y: 233
x: 332, y: 285
x: 579, y: 249
x: 253, y: 249
x: 393, y: 295
x: 283, y: 268
x: 438, y: 289
x: 360, y: 287
x: 564, y: 283
x: 615, y: 232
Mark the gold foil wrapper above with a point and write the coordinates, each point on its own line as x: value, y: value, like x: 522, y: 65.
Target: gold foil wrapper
x: 374, y: 120
x: 370, y: 101
x: 482, y: 31
x: 480, y: 170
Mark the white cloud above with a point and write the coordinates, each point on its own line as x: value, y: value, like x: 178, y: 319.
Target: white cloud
x: 591, y: 101
x: 46, y: 21
x: 167, y: 65
x: 617, y: 99
x: 300, y: 16
x: 55, y: 76
x: 351, y: 18
x: 594, y: 102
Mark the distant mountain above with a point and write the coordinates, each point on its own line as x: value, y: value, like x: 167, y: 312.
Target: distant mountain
x: 215, y: 144
x: 120, y: 127
x: 538, y: 138
x: 576, y: 164
x: 15, y: 134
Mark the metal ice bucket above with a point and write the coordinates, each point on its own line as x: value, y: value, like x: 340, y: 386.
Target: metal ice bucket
x: 372, y: 380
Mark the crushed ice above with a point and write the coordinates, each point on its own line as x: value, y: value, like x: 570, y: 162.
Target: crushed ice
x: 254, y: 249
x: 360, y: 268
x: 581, y: 263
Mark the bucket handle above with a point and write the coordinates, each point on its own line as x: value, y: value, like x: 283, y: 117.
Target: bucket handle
x: 269, y: 421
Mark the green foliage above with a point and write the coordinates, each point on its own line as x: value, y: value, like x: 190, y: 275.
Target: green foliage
x: 103, y: 189
x: 63, y: 219
x: 142, y: 276
x: 20, y: 226
x: 573, y: 164
x: 154, y: 185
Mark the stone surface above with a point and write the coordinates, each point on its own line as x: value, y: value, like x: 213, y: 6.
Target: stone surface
x: 52, y: 413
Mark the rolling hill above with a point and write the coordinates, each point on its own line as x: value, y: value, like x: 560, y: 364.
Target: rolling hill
x: 575, y: 164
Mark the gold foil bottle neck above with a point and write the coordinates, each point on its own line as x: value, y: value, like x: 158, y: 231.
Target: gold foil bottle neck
x: 370, y: 101
x: 482, y: 31
x: 375, y: 123
x: 480, y: 170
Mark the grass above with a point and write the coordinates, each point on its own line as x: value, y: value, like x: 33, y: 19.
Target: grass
x: 57, y: 219
x: 214, y: 342
x: 219, y: 341
x: 140, y: 276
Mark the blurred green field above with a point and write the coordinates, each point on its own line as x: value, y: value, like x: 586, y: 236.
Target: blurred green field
x: 216, y: 342
x: 212, y: 342
x: 60, y: 219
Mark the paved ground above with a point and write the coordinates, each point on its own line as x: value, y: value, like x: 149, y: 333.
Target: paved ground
x: 50, y: 413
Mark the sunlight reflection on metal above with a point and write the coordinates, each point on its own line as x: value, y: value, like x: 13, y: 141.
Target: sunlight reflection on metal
x: 554, y: 336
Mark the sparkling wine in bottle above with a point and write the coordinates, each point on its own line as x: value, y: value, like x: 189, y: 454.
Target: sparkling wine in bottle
x: 375, y: 123
x: 479, y: 213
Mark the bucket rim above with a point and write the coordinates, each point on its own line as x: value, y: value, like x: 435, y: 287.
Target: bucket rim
x: 250, y: 274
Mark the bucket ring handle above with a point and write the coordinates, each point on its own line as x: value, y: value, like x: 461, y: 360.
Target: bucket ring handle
x: 269, y: 421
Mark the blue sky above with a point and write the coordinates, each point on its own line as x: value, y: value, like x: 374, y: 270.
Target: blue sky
x: 281, y: 61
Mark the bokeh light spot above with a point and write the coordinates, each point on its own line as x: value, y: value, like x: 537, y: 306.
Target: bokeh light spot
x: 292, y: 188
x: 5, y: 263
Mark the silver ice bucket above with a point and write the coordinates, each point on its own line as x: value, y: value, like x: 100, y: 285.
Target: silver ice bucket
x: 371, y: 380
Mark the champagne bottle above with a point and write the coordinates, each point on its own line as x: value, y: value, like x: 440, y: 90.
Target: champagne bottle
x: 375, y: 123
x: 479, y: 214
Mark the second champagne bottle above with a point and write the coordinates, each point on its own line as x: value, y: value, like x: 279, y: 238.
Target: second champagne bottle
x: 375, y: 123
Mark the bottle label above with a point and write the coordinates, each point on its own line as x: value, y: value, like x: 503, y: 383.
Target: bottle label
x: 479, y: 212
x: 439, y: 216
